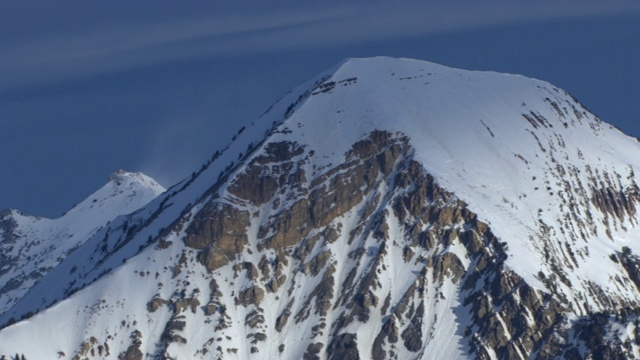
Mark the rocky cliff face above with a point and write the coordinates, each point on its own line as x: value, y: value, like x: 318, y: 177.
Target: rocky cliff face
x: 400, y: 219
x: 357, y: 229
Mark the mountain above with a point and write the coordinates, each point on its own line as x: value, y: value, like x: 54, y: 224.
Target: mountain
x: 31, y: 246
x: 387, y: 209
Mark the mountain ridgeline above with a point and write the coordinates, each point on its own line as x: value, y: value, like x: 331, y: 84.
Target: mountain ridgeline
x: 387, y: 209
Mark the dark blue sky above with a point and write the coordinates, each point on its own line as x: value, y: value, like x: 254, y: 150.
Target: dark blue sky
x: 87, y: 88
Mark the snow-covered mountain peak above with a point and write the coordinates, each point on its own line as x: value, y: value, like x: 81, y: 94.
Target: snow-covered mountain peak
x: 525, y: 155
x: 31, y: 246
x: 389, y: 208
x: 124, y: 191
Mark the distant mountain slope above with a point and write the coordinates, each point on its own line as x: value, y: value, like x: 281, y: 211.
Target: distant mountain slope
x: 31, y: 246
x: 388, y: 209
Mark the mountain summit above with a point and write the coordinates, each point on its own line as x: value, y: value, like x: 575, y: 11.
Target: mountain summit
x: 387, y: 209
x: 31, y: 246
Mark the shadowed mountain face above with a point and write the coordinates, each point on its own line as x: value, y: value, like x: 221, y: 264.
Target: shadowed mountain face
x: 388, y: 209
x: 31, y: 246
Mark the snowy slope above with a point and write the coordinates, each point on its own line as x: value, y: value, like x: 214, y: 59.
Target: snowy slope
x: 31, y: 246
x: 389, y: 208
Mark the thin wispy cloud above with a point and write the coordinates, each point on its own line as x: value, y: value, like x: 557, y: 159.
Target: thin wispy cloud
x: 111, y: 46
x: 116, y: 48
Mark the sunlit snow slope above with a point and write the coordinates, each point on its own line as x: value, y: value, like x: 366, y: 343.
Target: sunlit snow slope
x: 387, y: 209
